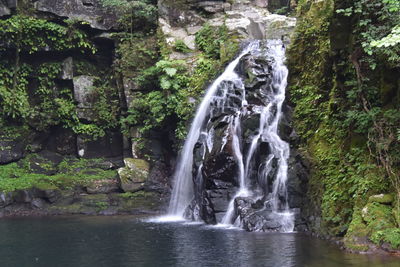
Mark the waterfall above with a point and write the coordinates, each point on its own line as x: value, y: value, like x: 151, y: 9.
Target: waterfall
x: 230, y: 101
x: 182, y: 192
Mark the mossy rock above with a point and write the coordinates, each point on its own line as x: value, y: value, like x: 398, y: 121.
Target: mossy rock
x: 356, y: 236
x: 381, y: 198
x: 378, y: 216
x: 133, y: 176
x: 103, y: 186
x: 387, y: 238
x: 138, y: 201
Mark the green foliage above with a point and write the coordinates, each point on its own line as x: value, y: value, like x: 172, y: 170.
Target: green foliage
x: 390, y: 235
x: 169, y: 90
x: 216, y: 42
x: 136, y: 53
x: 31, y: 35
x: 391, y: 40
x: 30, y: 94
x: 376, y: 26
x: 349, y: 124
x: 14, y: 100
x: 153, y: 109
x: 134, y: 15
x: 180, y: 46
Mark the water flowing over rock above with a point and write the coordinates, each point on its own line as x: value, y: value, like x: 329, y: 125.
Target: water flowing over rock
x: 234, y: 165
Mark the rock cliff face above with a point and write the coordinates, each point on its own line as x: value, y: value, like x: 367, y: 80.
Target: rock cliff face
x: 96, y: 90
x: 74, y: 104
x: 90, y: 11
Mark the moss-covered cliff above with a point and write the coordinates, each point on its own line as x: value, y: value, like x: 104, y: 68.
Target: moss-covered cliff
x: 107, y: 80
x: 346, y: 95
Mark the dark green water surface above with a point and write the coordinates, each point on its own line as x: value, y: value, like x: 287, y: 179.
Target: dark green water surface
x: 128, y: 241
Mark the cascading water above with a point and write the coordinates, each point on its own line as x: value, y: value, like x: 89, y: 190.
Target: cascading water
x: 182, y: 192
x: 252, y: 86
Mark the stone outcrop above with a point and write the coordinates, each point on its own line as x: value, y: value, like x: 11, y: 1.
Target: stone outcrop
x: 90, y: 11
x: 246, y: 19
x: 134, y: 175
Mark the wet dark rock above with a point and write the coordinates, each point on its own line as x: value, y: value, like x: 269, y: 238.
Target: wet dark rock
x: 297, y: 180
x: 158, y: 178
x: 11, y: 150
x: 222, y: 167
x: 62, y: 141
x: 201, y: 211
x: 108, y: 146
x: 38, y: 203
x: 23, y: 196
x: 5, y: 199
x: 50, y: 195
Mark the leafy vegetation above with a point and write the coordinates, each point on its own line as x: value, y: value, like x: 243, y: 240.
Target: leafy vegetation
x: 170, y: 89
x: 30, y: 94
x: 347, y: 109
x: 135, y: 15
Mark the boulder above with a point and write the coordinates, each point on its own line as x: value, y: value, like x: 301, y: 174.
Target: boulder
x: 255, y: 217
x: 11, y: 150
x: 134, y: 175
x: 50, y: 195
x: 378, y: 216
x: 279, y: 27
x: 201, y: 210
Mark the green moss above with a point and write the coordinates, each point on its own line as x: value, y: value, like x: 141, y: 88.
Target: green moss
x: 324, y: 87
x: 14, y: 177
x: 138, y: 200
x: 101, y: 205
